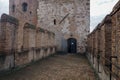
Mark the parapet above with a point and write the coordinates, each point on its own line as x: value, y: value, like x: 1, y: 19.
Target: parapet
x: 10, y: 19
x: 116, y: 8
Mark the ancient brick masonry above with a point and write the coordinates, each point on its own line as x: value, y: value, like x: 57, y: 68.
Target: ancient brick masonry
x: 36, y: 28
x: 66, y: 18
x: 103, y: 46
x: 8, y: 33
x: 71, y: 17
x: 115, y: 14
x: 25, y: 11
x: 37, y: 43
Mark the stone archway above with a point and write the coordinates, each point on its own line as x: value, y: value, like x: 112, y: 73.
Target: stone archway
x: 72, y: 45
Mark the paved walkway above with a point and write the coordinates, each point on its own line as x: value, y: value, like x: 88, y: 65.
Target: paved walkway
x: 58, y: 67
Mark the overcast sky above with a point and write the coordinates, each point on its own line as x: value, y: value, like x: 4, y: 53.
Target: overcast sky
x: 99, y: 8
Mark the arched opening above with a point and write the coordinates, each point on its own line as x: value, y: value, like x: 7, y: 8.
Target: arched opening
x: 13, y: 8
x: 24, y: 6
x: 72, y: 45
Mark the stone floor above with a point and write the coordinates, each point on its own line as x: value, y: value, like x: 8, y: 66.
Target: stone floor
x: 57, y: 67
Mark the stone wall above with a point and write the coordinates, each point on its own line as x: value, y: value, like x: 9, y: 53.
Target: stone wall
x: 102, y: 48
x: 29, y: 15
x: 66, y: 18
x: 38, y: 43
x: 8, y: 28
x: 104, y: 41
x: 115, y: 14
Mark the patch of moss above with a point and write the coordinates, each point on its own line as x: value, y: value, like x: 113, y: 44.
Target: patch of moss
x: 42, y: 30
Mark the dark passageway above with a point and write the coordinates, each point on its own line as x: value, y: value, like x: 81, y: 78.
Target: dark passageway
x: 72, y: 45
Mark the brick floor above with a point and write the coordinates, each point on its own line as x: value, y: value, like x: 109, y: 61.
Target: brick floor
x: 58, y: 67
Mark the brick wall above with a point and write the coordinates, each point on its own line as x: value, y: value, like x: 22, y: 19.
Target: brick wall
x: 8, y: 28
x: 76, y: 22
x: 101, y: 41
x: 116, y: 36
x: 28, y: 16
x: 37, y: 43
x: 104, y: 41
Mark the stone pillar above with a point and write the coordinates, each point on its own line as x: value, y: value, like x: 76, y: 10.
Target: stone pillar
x: 31, y: 32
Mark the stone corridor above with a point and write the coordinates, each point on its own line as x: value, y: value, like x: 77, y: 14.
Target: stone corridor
x: 57, y: 67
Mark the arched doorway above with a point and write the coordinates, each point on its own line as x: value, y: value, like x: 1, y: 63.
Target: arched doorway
x: 72, y: 45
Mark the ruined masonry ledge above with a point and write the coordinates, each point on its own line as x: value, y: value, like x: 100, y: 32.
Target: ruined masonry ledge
x: 7, y: 18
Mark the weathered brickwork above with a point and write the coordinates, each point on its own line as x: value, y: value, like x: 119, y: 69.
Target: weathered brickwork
x: 21, y: 41
x: 37, y: 28
x: 16, y: 9
x: 115, y: 14
x: 103, y: 46
x: 37, y: 43
x: 8, y: 28
x: 66, y: 18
